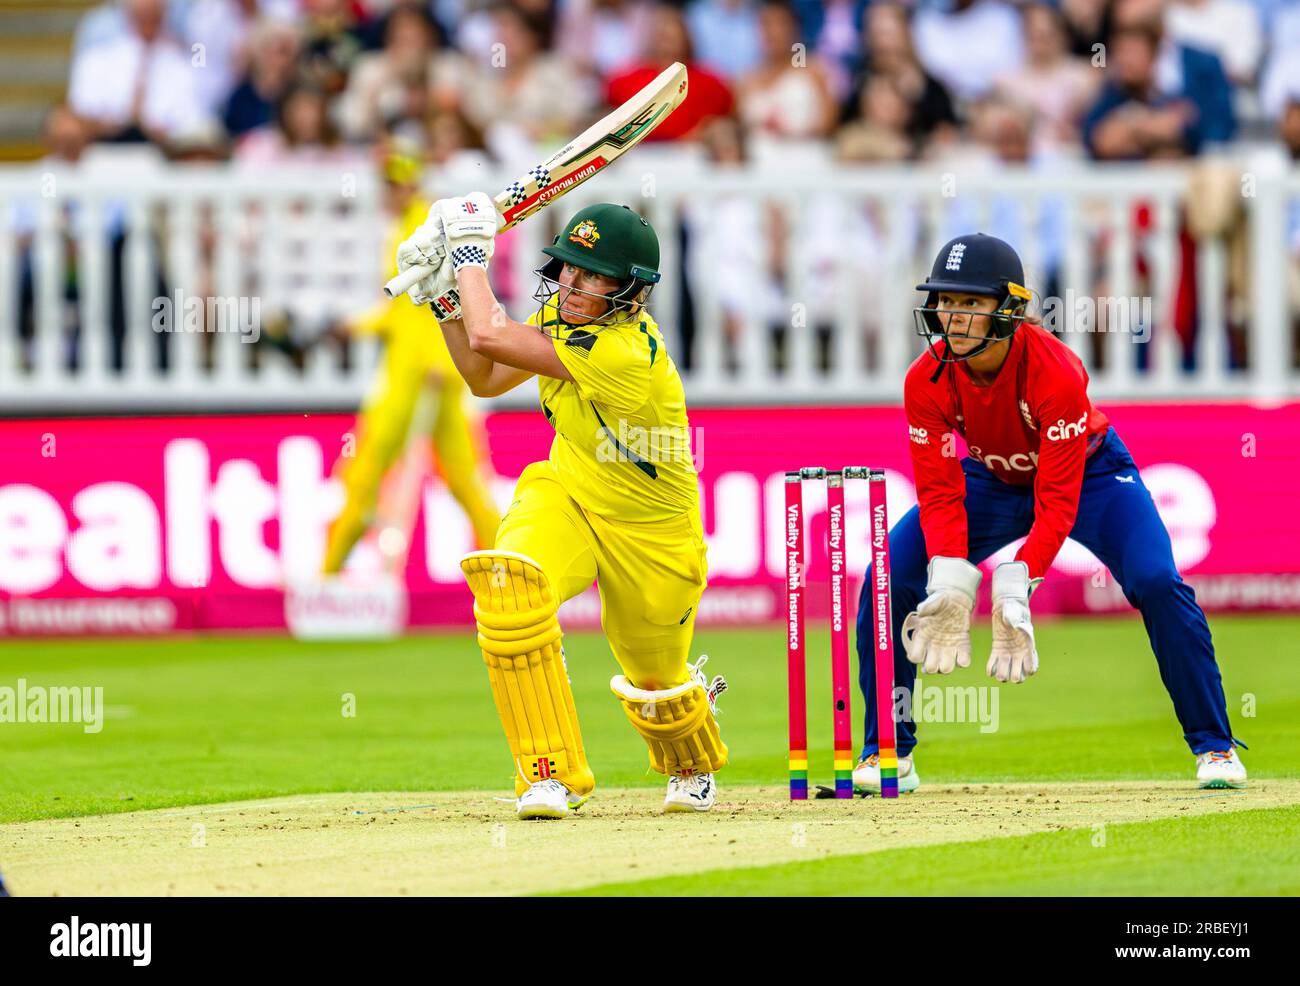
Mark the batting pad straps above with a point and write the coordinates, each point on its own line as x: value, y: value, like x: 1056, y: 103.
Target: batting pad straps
x: 677, y: 724
x: 519, y: 634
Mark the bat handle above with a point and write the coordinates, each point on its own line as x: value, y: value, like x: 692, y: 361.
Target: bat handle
x: 403, y: 281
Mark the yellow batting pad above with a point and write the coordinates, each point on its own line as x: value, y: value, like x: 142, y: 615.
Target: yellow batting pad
x: 520, y: 636
x: 678, y: 726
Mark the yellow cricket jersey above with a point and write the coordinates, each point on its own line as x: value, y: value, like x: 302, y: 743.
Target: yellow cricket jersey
x: 622, y: 438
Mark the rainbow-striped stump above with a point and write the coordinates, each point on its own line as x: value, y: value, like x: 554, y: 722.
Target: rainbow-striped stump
x: 843, y: 773
x: 799, y: 775
x: 888, y: 774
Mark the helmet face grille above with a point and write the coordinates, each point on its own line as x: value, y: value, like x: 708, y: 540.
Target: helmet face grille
x: 932, y: 323
x: 626, y: 300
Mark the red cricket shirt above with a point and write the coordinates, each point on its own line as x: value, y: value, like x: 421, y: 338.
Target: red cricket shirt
x: 1035, y: 424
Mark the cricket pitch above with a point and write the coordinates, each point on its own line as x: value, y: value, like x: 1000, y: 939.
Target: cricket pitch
x: 468, y: 843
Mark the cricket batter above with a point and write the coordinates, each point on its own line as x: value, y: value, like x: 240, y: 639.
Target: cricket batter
x: 417, y: 370
x: 606, y: 505
x: 1044, y: 465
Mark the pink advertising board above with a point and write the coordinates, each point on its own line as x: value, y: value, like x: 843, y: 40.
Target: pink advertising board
x: 153, y: 525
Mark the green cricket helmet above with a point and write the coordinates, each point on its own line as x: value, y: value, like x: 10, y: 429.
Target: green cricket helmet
x: 608, y: 239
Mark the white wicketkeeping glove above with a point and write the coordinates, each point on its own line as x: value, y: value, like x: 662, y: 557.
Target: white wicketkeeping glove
x: 937, y: 634
x: 1014, y: 656
x: 426, y: 246
x: 470, y: 227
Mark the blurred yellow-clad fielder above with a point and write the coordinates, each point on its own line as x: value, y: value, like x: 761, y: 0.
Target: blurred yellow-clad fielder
x: 418, y: 395
x: 616, y: 502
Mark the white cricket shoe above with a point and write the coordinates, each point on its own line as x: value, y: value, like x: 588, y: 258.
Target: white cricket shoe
x: 1220, y: 768
x: 699, y: 791
x: 548, y: 799
x: 695, y: 793
x: 866, y: 775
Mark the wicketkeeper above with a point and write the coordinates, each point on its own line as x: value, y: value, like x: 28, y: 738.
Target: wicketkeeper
x: 1044, y: 464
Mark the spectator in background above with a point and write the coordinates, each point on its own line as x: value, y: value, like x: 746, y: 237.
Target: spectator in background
x: 535, y: 96
x: 331, y: 44
x: 1183, y: 70
x: 1132, y: 120
x: 601, y: 36
x: 784, y: 98
x: 109, y: 22
x: 224, y: 30
x: 726, y: 36
x: 879, y: 132
x: 271, y: 70
x: 1159, y: 99
x: 455, y: 146
x: 833, y: 29
x: 1087, y: 23
x: 970, y: 45
x: 303, y: 133
x: 392, y: 86
x: 1229, y: 29
x: 670, y: 41
x: 139, y: 86
x: 297, y: 312
x: 887, y: 38
x: 733, y: 250
x: 476, y: 31
x: 1057, y: 86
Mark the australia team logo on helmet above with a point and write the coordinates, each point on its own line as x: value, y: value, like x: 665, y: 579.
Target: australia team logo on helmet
x: 585, y: 234
x: 607, y: 239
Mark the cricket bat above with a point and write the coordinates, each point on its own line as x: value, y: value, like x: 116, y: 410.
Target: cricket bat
x: 588, y: 154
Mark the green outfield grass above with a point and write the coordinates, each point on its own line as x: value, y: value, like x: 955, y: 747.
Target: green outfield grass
x: 1255, y: 853
x: 217, y: 719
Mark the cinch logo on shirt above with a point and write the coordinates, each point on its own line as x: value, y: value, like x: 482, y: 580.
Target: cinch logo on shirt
x: 918, y: 435
x: 1019, y: 462
x: 1061, y: 431
x: 954, y: 256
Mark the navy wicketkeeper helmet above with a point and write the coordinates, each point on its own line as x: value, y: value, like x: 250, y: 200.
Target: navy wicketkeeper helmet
x: 973, y: 264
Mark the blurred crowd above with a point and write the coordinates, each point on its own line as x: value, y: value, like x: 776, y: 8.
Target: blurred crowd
x: 959, y: 84
x: 273, y: 80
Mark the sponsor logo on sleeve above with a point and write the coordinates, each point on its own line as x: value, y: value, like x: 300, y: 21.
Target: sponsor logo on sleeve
x: 1063, y: 431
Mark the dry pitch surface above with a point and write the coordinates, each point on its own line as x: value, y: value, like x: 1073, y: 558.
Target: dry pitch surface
x: 470, y: 843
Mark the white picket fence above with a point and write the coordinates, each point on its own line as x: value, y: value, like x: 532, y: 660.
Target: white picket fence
x: 832, y: 325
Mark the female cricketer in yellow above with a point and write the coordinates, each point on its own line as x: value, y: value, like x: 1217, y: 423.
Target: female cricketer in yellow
x: 616, y: 502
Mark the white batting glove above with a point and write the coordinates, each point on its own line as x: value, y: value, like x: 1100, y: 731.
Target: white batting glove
x: 1014, y: 656
x: 937, y: 634
x: 425, y: 247
x: 445, y: 300
x: 470, y: 227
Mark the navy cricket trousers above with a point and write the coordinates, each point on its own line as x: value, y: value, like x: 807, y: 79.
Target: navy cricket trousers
x: 1117, y: 522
